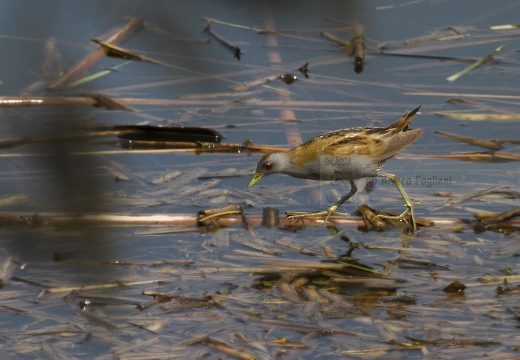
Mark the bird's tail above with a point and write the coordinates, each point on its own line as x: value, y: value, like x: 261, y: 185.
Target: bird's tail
x: 402, y: 123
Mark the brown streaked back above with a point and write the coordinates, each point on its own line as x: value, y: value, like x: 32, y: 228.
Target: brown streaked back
x: 378, y: 143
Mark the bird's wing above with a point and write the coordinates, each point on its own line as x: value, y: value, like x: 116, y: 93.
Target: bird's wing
x: 398, y: 142
x: 355, y: 143
x: 377, y: 143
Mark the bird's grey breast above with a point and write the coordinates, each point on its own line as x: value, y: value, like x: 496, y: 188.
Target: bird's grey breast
x: 346, y: 167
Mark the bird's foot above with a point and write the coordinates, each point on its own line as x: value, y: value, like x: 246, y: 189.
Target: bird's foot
x: 400, y: 217
x: 298, y: 215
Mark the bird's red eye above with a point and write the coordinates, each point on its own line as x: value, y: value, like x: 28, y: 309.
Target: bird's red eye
x: 267, y: 166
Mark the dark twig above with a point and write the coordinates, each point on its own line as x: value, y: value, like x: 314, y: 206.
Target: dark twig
x: 235, y: 49
x: 119, y: 37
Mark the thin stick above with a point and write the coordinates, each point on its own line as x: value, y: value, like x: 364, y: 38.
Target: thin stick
x: 475, y: 65
x: 214, y: 148
x: 300, y: 31
x: 11, y: 143
x: 226, y: 349
x: 499, y: 278
x: 208, y: 19
x: 102, y: 286
x: 479, y: 142
x: 21, y: 101
x: 468, y: 95
x: 478, y: 117
x: 217, y: 270
x: 50, y: 219
x: 496, y: 222
x: 24, y: 101
x: 491, y: 156
x: 111, y: 49
x: 302, y: 327
x: 503, y: 216
x: 473, y: 195
x: 334, y: 39
x: 110, y: 326
x: 422, y: 56
x: 119, y: 37
x: 296, y: 248
x: 235, y: 49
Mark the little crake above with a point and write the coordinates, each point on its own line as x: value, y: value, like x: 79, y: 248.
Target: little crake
x: 346, y: 154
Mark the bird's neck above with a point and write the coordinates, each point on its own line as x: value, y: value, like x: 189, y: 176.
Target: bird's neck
x: 289, y: 167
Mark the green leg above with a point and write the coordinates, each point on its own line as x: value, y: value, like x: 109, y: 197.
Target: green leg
x: 332, y: 210
x: 407, y: 202
x: 335, y: 207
